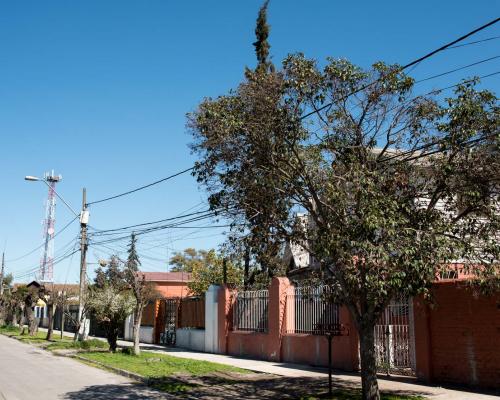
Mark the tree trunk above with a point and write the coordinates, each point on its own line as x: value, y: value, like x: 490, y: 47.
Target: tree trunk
x: 30, y: 319
x: 246, y: 273
x: 112, y: 336
x: 137, y: 329
x: 62, y: 320
x: 50, y: 314
x: 368, y: 362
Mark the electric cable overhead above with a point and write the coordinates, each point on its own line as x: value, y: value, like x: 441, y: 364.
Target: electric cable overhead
x: 43, y: 244
x: 141, y: 187
x: 406, y: 66
x: 103, y: 232
x: 456, y: 69
x: 475, y: 42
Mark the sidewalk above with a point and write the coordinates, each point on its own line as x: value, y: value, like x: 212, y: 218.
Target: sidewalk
x: 288, y: 370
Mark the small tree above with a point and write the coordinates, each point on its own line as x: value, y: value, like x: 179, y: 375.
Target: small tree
x: 142, y: 290
x: 61, y: 302
x: 49, y: 299
x: 110, y: 300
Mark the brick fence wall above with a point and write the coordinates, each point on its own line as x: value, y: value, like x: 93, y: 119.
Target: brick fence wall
x: 458, y: 337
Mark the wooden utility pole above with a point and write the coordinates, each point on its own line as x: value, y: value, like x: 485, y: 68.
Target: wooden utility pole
x: 84, y: 217
x: 2, y: 273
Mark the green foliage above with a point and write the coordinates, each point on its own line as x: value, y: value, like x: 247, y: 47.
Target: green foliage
x: 133, y: 258
x: 86, y: 345
x: 262, y: 45
x: 395, y: 188
x: 129, y: 351
x: 211, y: 272
x: 187, y: 260
x: 110, y: 274
x: 7, y: 280
x: 110, y: 300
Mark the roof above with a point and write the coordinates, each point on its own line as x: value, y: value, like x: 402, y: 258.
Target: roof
x: 166, y: 276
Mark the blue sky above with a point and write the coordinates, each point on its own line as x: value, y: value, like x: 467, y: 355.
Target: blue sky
x: 99, y: 90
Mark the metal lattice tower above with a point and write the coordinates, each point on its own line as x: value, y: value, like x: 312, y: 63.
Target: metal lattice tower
x: 46, y: 271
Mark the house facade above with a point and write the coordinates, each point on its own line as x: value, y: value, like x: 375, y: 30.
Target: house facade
x: 171, y: 286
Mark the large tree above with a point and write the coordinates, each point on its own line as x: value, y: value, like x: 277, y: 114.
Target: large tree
x: 396, y: 187
x: 142, y: 290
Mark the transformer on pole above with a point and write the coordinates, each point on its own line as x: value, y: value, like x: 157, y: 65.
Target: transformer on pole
x: 46, y: 271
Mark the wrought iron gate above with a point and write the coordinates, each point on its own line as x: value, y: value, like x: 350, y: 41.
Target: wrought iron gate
x: 167, y: 337
x: 394, y: 342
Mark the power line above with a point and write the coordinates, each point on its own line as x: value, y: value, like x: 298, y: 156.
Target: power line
x: 414, y: 62
x: 444, y: 47
x: 23, y: 274
x: 63, y: 249
x: 104, y: 232
x: 475, y: 42
x: 155, y: 228
x: 43, y: 244
x: 141, y: 188
x: 456, y: 69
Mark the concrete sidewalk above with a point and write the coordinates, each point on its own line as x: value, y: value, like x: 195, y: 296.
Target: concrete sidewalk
x: 305, y: 371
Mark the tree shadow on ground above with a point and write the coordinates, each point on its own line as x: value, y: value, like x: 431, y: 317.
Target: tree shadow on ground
x: 117, y: 392
x: 278, y: 388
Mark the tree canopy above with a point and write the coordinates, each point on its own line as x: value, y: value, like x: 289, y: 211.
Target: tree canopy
x: 211, y: 272
x: 396, y: 187
x: 187, y: 260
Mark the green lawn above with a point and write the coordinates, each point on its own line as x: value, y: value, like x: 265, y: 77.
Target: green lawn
x: 165, y: 372
x: 56, y: 343
x: 91, y: 344
x: 15, y: 331
x: 154, y: 365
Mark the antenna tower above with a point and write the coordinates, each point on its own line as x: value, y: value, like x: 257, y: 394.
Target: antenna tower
x: 46, y: 271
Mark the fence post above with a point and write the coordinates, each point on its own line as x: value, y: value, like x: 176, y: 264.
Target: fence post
x: 423, y: 351
x: 277, y: 316
x: 212, y: 319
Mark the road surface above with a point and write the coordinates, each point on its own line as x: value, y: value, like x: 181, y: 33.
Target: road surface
x: 29, y: 373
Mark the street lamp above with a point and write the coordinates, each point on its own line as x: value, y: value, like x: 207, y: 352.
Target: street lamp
x: 51, y: 178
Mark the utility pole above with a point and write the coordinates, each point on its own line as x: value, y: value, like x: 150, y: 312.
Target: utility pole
x: 84, y: 219
x: 2, y: 273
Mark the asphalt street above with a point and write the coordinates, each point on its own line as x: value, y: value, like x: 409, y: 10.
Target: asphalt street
x: 28, y: 373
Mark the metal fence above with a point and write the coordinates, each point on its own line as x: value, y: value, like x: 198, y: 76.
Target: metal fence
x: 250, y: 311
x: 311, y: 310
x: 393, y: 342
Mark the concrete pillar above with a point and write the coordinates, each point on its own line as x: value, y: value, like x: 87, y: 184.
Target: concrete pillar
x: 212, y: 319
x: 277, y: 317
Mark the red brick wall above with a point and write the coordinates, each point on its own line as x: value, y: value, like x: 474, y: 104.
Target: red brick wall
x: 458, y: 338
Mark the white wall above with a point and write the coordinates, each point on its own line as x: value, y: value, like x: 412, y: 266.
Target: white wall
x: 211, y: 319
x: 129, y: 328
x: 145, y: 333
x: 192, y: 339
